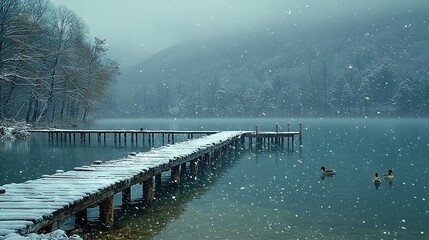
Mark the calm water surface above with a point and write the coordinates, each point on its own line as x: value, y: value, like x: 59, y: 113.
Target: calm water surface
x: 264, y: 194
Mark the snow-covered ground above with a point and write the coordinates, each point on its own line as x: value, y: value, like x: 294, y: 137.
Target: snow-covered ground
x: 57, y: 235
x: 11, y: 130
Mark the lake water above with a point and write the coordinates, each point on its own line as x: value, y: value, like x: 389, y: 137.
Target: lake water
x: 265, y: 194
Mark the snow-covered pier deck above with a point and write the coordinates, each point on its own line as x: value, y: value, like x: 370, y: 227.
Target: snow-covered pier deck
x: 38, y: 205
x: 55, y: 134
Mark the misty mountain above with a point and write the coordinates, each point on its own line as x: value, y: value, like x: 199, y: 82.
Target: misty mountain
x: 362, y: 67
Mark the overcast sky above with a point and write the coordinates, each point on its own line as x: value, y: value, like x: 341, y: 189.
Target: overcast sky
x: 136, y: 29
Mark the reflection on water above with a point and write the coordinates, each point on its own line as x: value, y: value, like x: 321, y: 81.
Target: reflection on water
x: 270, y: 194
x: 171, y: 201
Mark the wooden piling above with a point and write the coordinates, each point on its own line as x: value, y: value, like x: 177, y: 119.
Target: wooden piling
x: 148, y: 192
x: 183, y: 169
x: 208, y: 159
x: 300, y: 134
x: 126, y: 197
x: 175, y: 174
x: 194, y: 166
x: 106, y: 212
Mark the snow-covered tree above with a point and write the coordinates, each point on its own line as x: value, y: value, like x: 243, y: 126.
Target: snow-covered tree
x: 347, y: 97
x: 364, y: 96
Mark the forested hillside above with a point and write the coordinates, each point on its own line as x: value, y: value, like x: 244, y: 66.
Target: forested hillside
x: 49, y: 70
x: 373, y: 67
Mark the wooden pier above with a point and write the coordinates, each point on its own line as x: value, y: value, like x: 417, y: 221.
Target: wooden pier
x: 72, y: 135
x: 39, y: 205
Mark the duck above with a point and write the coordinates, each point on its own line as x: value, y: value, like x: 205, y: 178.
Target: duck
x: 376, y: 179
x: 327, y: 172
x: 389, y: 175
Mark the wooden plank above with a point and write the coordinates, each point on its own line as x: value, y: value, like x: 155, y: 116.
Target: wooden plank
x: 32, y: 205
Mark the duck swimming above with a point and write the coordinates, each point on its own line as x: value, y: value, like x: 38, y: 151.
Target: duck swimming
x: 389, y: 175
x: 327, y: 172
x: 376, y: 179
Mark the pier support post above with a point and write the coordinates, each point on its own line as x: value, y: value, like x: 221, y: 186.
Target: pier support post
x: 194, y: 167
x: 300, y: 134
x: 106, y: 212
x: 183, y: 168
x: 126, y: 197
x: 208, y: 159
x: 175, y: 174
x: 81, y: 218
x: 148, y: 193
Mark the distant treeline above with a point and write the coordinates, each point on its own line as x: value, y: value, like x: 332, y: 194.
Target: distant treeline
x: 377, y: 67
x: 49, y: 70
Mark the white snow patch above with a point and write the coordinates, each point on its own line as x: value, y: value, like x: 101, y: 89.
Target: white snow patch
x: 11, y: 130
x: 57, y: 235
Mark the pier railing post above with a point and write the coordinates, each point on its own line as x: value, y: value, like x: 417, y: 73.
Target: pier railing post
x: 300, y: 134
